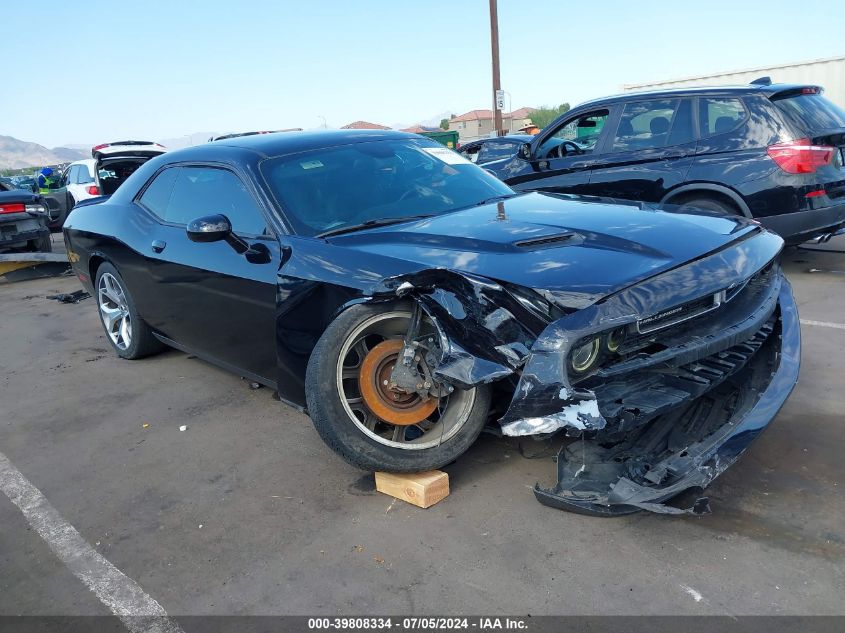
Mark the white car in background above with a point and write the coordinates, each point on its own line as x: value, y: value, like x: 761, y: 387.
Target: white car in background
x: 110, y: 165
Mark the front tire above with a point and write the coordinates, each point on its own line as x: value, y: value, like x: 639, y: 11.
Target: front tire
x: 338, y: 404
x: 128, y: 334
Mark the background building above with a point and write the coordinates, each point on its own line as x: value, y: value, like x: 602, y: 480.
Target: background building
x: 477, y: 124
x: 828, y: 73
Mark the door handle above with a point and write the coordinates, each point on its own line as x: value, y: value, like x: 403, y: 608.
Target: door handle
x: 158, y: 245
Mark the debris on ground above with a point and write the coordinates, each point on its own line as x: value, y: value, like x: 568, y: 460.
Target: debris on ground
x: 184, y: 427
x: 70, y: 297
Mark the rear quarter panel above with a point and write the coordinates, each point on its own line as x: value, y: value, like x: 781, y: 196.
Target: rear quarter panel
x: 738, y: 160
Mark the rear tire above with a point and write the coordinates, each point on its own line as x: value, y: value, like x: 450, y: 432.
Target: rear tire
x: 127, y: 333
x: 708, y: 204
x: 42, y: 244
x: 364, y: 439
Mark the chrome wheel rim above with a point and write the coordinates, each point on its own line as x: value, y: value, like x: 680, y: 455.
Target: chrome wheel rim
x: 114, y: 311
x: 447, y: 419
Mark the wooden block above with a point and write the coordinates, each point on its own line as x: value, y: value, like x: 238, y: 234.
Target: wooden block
x: 420, y: 489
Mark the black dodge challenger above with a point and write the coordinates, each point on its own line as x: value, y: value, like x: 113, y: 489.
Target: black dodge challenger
x: 404, y: 297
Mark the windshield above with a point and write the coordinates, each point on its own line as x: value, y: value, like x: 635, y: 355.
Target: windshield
x: 331, y: 188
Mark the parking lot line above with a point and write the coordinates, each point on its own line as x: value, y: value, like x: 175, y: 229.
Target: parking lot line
x: 123, y: 596
x: 838, y: 326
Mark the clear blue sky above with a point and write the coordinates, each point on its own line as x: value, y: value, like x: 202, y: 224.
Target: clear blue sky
x: 158, y: 69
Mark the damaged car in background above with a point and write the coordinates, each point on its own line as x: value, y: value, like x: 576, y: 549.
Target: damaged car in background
x: 405, y: 298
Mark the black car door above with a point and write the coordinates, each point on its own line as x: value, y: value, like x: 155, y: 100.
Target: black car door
x: 57, y: 198
x: 649, y: 153
x: 561, y: 158
x: 206, y: 297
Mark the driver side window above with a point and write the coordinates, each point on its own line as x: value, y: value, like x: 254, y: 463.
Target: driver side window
x: 577, y: 136
x: 179, y: 195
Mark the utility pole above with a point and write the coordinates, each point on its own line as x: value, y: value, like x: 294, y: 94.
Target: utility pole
x: 497, y: 83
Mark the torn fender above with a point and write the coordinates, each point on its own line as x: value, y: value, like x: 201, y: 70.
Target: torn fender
x: 485, y: 330
x: 486, y: 333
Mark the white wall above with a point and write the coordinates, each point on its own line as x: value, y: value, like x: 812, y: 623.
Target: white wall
x: 828, y: 73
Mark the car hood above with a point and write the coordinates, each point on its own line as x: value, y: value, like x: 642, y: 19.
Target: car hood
x: 584, y: 249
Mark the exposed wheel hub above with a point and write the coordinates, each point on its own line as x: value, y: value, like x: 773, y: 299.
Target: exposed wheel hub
x: 388, y: 401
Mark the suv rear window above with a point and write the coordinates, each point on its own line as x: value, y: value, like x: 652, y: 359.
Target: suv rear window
x: 813, y: 110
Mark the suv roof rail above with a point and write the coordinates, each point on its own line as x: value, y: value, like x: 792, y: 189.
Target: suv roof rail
x: 762, y: 81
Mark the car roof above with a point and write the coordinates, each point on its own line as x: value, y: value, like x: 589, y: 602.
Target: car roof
x: 280, y: 143
x: 766, y: 89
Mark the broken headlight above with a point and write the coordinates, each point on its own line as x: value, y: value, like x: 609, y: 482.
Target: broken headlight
x: 590, y: 353
x: 584, y: 356
x: 614, y: 339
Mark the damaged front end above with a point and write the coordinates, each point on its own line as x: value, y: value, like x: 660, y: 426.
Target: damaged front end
x: 700, y: 417
x: 664, y: 383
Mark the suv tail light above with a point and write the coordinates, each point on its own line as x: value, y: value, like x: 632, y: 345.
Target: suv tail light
x: 13, y: 207
x: 93, y: 190
x: 801, y: 156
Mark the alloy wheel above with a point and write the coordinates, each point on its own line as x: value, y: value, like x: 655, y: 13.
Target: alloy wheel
x: 114, y: 311
x: 392, y: 418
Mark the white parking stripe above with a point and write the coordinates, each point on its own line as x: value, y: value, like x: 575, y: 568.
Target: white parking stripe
x: 838, y: 326
x: 122, y: 595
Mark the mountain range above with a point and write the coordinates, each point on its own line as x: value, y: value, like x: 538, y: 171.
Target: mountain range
x: 15, y: 154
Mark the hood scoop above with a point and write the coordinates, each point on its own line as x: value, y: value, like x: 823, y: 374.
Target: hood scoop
x: 549, y: 241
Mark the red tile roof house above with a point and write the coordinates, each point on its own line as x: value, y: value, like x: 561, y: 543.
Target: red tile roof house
x: 364, y: 125
x: 420, y: 129
x: 477, y: 124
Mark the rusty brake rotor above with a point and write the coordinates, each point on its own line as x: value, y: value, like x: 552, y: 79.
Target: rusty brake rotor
x: 393, y: 405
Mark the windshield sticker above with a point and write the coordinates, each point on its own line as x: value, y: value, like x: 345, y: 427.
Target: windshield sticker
x: 446, y: 155
x: 311, y: 164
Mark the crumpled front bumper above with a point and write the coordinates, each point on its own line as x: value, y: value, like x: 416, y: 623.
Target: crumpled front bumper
x: 683, y: 449
x: 670, y: 414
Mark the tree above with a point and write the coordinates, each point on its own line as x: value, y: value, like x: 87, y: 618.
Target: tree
x: 444, y: 124
x: 544, y: 115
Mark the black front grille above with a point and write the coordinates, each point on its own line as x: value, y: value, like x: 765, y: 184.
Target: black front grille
x: 634, y: 399
x: 735, y: 300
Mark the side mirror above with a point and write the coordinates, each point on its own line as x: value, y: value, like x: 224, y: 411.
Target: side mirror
x: 210, y: 228
x: 525, y: 151
x: 213, y: 228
